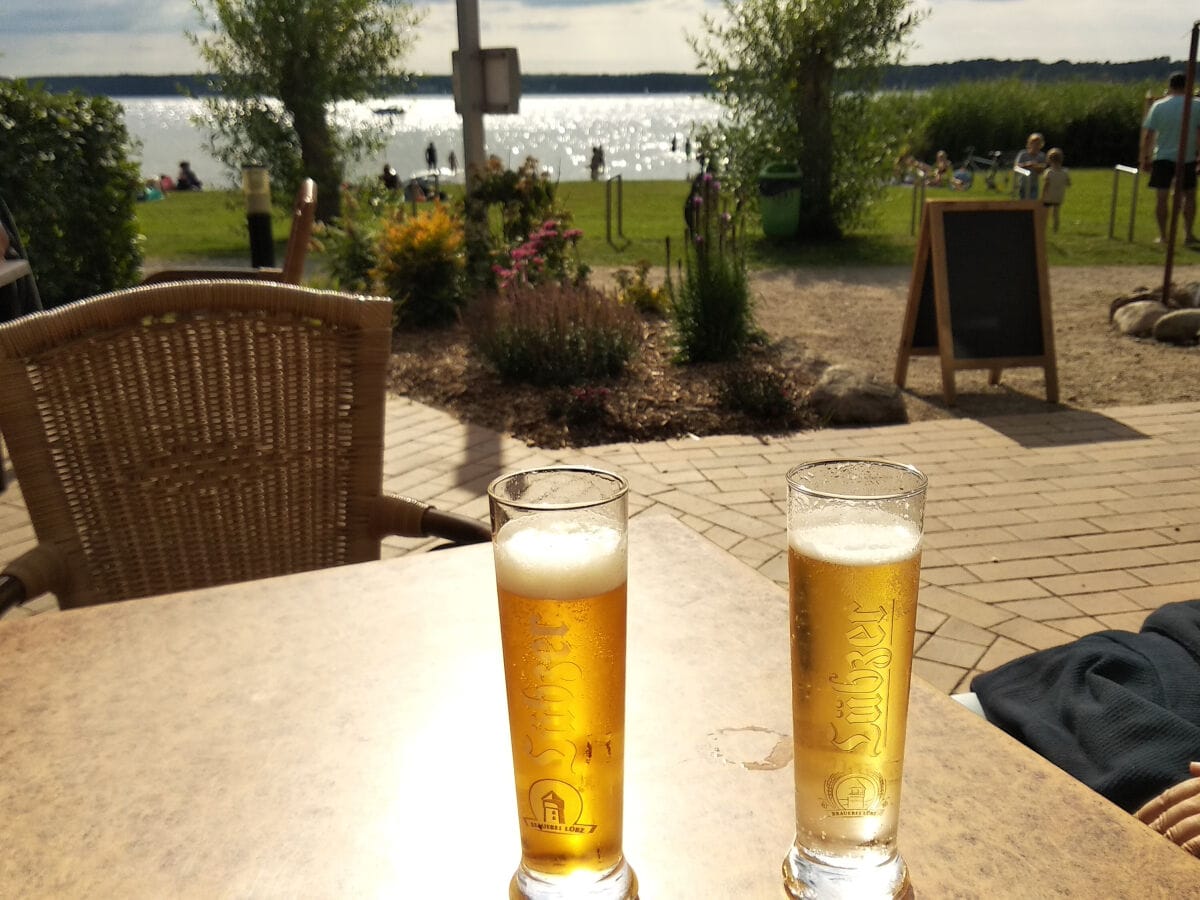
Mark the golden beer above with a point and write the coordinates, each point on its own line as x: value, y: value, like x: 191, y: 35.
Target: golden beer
x: 561, y: 582
x: 853, y: 572
x: 853, y: 622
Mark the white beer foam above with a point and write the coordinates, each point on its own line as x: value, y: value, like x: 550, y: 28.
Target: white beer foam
x: 545, y: 556
x: 861, y: 538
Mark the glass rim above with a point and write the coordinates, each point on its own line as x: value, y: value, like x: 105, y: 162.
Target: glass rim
x: 793, y: 475
x: 621, y: 488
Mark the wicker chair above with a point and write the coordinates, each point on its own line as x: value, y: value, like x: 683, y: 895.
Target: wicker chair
x: 303, y: 213
x: 197, y: 433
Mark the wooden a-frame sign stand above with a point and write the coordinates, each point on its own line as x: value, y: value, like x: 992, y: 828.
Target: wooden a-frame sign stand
x: 980, y: 292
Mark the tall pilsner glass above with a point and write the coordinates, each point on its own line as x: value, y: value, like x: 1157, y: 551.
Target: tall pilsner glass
x: 854, y: 560
x: 559, y: 536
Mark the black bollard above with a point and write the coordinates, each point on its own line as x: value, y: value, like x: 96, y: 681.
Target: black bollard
x: 256, y: 185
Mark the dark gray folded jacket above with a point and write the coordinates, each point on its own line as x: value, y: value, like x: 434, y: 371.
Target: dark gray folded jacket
x: 1119, y: 711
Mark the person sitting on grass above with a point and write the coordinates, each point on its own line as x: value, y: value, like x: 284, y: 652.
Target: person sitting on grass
x: 187, y: 180
x: 942, y: 174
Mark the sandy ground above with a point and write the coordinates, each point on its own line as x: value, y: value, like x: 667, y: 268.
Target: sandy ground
x: 855, y: 316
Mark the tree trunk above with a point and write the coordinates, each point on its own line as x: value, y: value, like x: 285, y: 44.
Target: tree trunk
x: 814, y: 120
x: 320, y: 160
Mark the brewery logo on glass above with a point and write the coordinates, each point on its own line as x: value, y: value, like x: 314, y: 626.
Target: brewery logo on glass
x: 855, y: 794
x: 556, y: 807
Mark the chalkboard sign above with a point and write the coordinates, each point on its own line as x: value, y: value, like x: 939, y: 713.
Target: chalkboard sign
x: 980, y: 292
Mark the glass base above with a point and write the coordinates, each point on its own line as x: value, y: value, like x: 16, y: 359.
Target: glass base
x: 808, y: 878
x: 618, y: 883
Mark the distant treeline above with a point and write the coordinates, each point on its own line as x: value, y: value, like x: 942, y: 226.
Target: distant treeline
x: 895, y: 78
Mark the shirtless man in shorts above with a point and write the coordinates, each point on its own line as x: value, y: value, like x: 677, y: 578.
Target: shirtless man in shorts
x: 1160, y: 149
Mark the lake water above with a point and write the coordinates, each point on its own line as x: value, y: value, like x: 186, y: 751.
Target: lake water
x: 635, y: 130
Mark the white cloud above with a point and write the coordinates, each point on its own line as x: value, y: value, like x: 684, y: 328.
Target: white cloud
x: 44, y: 37
x: 1076, y: 30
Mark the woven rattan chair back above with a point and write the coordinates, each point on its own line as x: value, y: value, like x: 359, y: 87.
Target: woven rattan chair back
x: 187, y: 434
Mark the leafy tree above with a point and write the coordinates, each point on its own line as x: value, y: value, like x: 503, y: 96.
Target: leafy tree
x: 280, y: 66
x: 795, y: 76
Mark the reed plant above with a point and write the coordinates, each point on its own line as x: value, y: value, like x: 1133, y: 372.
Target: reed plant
x: 711, y: 305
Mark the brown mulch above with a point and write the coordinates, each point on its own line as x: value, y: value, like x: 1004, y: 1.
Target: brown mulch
x: 654, y: 400
x: 811, y: 318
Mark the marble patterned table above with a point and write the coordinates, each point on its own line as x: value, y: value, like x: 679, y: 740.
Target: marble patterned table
x: 343, y: 734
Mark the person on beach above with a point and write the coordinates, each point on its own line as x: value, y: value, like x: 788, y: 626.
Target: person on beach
x: 452, y: 161
x: 1055, y: 181
x: 1160, y: 151
x: 431, y: 157
x: 187, y: 180
x: 942, y: 173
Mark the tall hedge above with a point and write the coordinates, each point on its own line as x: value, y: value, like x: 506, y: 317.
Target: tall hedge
x: 66, y: 174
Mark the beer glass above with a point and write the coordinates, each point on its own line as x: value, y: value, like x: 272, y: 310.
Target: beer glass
x: 559, y: 538
x: 854, y: 560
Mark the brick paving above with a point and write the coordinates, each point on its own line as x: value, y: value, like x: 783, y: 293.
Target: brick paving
x: 1039, y: 528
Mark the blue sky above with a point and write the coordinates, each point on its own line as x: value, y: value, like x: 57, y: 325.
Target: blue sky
x: 44, y: 37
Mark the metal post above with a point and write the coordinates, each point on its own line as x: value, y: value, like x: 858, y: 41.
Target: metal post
x: 256, y: 186
x: 1133, y: 205
x: 1112, y: 209
x: 608, y: 204
x: 470, y: 85
x: 918, y: 201
x: 1118, y: 171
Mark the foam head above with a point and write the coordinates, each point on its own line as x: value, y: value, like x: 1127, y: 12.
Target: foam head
x: 563, y: 557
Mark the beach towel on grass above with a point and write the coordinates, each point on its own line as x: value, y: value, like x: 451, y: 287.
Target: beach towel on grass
x: 1119, y: 711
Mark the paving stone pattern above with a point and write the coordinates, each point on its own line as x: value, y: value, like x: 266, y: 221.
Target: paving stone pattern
x: 1039, y: 528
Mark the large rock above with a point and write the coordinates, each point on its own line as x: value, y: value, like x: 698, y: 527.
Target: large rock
x: 1138, y: 317
x: 1137, y: 295
x: 1179, y: 327
x: 846, y: 397
x: 1182, y: 296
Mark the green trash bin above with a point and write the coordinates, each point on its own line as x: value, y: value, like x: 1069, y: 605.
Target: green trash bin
x: 779, y: 200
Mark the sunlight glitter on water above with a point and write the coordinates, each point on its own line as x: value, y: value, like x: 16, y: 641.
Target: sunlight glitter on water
x: 559, y: 131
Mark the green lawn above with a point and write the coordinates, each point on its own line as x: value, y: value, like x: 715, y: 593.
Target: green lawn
x: 213, y: 224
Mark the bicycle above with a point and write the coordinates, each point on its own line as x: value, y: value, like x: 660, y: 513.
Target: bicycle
x: 989, y: 166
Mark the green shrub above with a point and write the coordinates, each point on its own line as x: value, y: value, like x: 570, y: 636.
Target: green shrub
x: 711, y: 305
x: 554, y: 334
x: 635, y: 290
x: 523, y: 203
x: 549, y: 254
x: 760, y: 391
x: 350, y: 244
x: 66, y: 175
x: 421, y: 266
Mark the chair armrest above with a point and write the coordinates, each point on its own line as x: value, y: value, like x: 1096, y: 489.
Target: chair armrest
x: 12, y: 593
x: 35, y: 572
x: 404, y: 516
x: 455, y: 527
x: 246, y: 274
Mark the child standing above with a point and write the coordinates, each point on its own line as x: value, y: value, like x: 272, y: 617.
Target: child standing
x: 1033, y: 160
x: 1055, y: 182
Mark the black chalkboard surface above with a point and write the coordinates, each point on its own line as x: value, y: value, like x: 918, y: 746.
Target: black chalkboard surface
x: 980, y: 292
